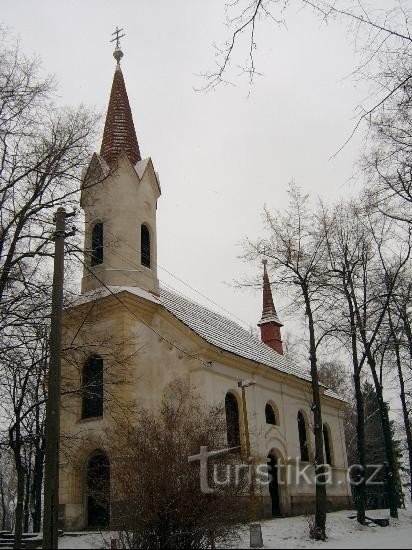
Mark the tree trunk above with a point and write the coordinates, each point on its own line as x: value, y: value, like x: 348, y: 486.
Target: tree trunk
x: 405, y: 411
x: 26, y: 513
x: 386, y: 427
x: 321, y: 501
x: 360, y: 439
x: 18, y: 525
x: 387, y: 436
x: 360, y: 415
x: 36, y: 488
x: 3, y: 505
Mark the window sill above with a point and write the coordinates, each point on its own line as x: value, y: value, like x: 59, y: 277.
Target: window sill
x: 89, y: 419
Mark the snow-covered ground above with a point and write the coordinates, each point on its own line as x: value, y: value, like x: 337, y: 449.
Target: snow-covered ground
x: 293, y: 533
x: 342, y: 532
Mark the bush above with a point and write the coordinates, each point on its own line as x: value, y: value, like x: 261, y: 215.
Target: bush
x: 159, y: 501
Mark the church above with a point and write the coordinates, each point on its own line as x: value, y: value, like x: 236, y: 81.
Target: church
x: 126, y: 337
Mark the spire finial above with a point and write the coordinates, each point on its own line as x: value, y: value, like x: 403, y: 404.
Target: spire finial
x: 119, y: 134
x: 117, y: 54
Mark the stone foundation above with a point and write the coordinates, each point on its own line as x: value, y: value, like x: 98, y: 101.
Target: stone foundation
x: 301, y: 505
x: 305, y: 504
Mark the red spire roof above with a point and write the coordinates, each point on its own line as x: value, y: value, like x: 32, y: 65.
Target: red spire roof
x: 269, y: 323
x: 119, y: 134
x: 268, y: 310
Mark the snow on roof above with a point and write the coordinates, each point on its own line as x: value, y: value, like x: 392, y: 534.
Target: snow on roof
x: 214, y: 328
x: 225, y: 333
x: 229, y: 336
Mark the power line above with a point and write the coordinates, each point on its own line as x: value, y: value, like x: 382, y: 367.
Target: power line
x: 203, y: 363
x: 228, y: 312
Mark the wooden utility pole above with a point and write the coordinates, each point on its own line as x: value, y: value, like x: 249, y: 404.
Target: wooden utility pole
x: 255, y: 529
x: 51, y: 473
x: 243, y: 384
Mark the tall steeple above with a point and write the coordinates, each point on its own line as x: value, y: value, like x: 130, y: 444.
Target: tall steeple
x: 120, y: 204
x: 269, y: 323
x: 119, y: 132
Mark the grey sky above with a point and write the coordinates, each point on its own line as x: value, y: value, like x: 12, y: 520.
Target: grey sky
x: 220, y: 155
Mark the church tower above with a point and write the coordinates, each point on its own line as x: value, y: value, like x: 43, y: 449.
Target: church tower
x: 269, y: 323
x: 119, y: 198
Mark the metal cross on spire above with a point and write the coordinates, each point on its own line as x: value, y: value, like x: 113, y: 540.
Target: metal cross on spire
x: 118, y: 36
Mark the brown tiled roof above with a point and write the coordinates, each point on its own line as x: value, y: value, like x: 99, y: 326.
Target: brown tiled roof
x: 119, y: 133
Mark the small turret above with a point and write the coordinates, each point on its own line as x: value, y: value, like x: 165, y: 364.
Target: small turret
x: 269, y: 323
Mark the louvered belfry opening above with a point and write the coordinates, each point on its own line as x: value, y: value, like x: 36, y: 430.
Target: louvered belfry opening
x: 119, y: 132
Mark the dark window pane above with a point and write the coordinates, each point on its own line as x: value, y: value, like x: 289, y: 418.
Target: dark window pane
x: 232, y: 421
x: 270, y: 414
x: 97, y: 244
x: 145, y: 246
x: 303, y: 440
x: 326, y: 439
x: 93, y: 388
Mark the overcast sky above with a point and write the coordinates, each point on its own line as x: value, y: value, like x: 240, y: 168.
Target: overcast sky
x: 222, y: 155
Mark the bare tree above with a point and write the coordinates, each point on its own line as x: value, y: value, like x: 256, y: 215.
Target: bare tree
x: 296, y: 251
x: 387, y: 163
x: 381, y: 32
x: 43, y: 151
x: 382, y: 43
x: 166, y: 507
x: 365, y: 259
x: 22, y: 399
x: 396, y: 351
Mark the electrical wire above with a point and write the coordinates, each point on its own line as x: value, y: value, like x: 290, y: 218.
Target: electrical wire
x: 194, y: 357
x: 136, y: 252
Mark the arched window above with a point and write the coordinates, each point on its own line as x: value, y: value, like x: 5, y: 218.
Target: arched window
x: 328, y: 445
x: 97, y: 244
x: 303, y: 438
x: 270, y: 414
x: 232, y: 420
x: 145, y: 246
x: 92, y: 387
x: 98, y: 490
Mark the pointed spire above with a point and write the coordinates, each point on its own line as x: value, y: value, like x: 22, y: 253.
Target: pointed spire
x: 119, y: 134
x: 268, y: 310
x: 269, y: 323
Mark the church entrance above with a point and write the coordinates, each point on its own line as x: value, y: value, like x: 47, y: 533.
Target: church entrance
x: 98, y: 491
x: 274, y: 484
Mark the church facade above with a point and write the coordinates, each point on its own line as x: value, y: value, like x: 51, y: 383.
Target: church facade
x: 126, y: 338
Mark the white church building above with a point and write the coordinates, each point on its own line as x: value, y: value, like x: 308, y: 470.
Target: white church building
x: 128, y: 337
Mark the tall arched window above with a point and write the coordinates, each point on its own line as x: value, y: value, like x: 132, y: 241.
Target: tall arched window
x: 98, y: 490
x: 232, y: 420
x: 97, y: 244
x: 92, y: 387
x: 145, y: 246
x: 303, y: 438
x: 270, y: 414
x: 328, y: 445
